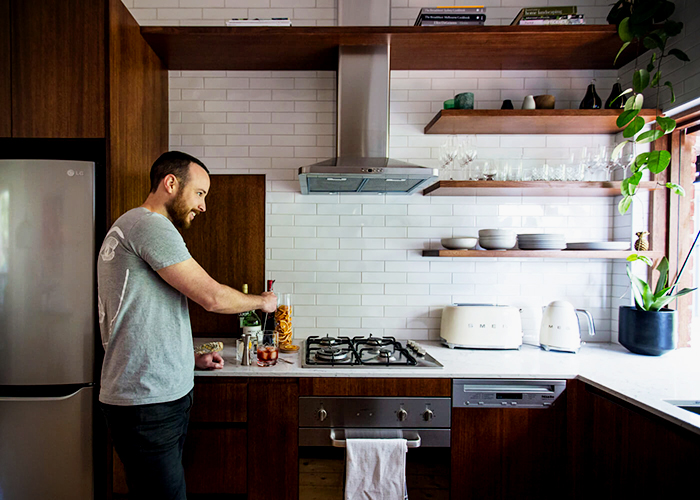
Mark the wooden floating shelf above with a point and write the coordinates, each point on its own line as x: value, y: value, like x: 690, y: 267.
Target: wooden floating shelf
x: 528, y: 121
x: 412, y: 47
x: 549, y: 254
x: 529, y: 188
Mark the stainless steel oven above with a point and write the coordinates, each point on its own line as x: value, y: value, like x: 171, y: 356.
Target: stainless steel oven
x: 325, y: 423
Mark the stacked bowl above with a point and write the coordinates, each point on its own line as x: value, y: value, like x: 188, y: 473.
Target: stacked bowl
x: 496, y: 239
x: 541, y: 242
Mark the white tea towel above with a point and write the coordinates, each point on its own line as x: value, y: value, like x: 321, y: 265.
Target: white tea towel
x: 375, y: 469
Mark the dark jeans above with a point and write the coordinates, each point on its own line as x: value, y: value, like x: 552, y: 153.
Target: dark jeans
x: 149, y: 441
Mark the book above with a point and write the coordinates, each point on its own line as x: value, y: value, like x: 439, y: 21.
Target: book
x: 421, y: 20
x: 452, y: 23
x: 274, y: 21
x: 544, y: 11
x: 465, y: 9
x: 542, y: 22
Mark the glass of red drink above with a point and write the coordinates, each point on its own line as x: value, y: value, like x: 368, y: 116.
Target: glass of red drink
x: 268, y: 348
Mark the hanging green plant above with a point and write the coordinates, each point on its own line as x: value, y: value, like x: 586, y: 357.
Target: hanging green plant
x: 647, y: 22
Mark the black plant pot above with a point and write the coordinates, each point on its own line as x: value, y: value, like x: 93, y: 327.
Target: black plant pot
x: 652, y: 333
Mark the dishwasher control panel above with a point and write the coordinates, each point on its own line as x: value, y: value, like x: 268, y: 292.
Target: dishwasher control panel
x: 505, y: 393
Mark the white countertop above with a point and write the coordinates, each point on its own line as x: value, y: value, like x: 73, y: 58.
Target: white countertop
x: 645, y: 381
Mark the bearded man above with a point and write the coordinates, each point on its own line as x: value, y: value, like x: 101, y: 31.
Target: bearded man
x: 145, y: 274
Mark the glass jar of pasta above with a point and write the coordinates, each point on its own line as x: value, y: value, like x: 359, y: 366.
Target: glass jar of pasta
x: 283, y: 322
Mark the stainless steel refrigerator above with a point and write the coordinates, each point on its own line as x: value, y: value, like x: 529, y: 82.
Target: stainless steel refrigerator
x: 47, y: 329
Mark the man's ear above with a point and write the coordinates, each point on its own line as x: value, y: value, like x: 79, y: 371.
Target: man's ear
x: 170, y: 183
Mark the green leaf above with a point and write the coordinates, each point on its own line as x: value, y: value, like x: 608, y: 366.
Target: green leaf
x: 679, y: 54
x: 655, y: 80
x: 640, y: 80
x: 685, y: 291
x: 660, y: 302
x: 624, y: 204
x: 639, y: 162
x: 633, y: 257
x: 663, y: 276
x: 642, y: 292
x: 673, y: 94
x: 618, y: 148
x: 676, y: 188
x: 625, y: 117
x: 672, y: 28
x: 658, y: 161
x: 652, y: 41
x: 623, y: 30
x: 638, y: 102
x: 650, y: 66
x: 632, y: 128
x: 668, y: 125
x: 625, y: 188
x: 624, y: 46
x: 649, y: 136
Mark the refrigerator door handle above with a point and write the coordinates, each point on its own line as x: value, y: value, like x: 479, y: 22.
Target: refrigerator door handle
x: 46, y: 398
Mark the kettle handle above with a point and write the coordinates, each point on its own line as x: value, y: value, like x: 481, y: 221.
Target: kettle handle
x: 591, y: 326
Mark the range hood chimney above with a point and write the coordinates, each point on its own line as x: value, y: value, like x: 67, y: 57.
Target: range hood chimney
x: 362, y: 165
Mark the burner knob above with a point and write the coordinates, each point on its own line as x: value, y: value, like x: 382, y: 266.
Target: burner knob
x: 322, y: 414
x: 428, y: 415
x: 402, y: 415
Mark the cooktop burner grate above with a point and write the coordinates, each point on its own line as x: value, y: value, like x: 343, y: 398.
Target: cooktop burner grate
x: 363, y: 352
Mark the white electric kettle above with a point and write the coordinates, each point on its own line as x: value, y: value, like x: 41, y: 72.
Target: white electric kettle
x: 560, y: 329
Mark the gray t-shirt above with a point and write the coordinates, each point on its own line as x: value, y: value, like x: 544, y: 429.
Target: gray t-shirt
x: 144, y: 322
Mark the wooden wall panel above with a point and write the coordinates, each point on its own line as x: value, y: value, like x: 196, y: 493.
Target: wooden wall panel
x: 402, y: 387
x: 58, y: 68
x: 5, y: 74
x: 273, y: 439
x: 228, y: 240
x: 138, y: 111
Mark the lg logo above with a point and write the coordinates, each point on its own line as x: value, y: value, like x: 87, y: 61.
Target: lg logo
x: 73, y: 173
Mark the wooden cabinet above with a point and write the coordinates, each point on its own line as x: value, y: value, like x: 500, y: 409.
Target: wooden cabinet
x: 5, y: 71
x: 58, y: 68
x: 617, y: 450
x: 509, y: 453
x: 228, y: 240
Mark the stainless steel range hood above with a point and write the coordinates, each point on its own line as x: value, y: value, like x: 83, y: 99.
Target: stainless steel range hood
x: 362, y: 136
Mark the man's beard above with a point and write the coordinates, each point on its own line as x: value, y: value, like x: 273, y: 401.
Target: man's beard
x: 179, y: 212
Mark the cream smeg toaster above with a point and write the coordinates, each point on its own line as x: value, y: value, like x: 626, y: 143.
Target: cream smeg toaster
x: 481, y: 326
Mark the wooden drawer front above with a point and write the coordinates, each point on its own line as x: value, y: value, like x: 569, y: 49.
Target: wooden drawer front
x: 215, y: 460
x: 406, y: 387
x: 220, y: 401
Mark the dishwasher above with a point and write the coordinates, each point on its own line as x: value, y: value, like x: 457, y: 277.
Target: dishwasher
x: 508, y: 439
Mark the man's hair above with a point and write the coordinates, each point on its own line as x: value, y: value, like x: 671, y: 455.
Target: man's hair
x: 173, y: 162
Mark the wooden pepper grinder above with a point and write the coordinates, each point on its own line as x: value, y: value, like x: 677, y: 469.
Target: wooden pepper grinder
x: 642, y: 244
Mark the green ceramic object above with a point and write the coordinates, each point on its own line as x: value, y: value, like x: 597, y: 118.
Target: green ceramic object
x: 465, y: 100
x: 448, y: 104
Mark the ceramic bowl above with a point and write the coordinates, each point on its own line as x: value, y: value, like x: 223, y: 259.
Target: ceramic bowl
x: 459, y: 243
x: 496, y: 232
x: 544, y: 101
x: 496, y: 242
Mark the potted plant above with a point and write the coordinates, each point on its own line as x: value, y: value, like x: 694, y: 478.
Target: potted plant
x: 650, y: 327
x: 646, y: 22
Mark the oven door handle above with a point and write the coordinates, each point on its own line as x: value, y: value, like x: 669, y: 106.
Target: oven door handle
x: 342, y: 443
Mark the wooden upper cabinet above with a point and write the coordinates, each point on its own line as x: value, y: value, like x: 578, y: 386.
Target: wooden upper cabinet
x: 228, y: 240
x: 57, y: 67
x: 5, y: 83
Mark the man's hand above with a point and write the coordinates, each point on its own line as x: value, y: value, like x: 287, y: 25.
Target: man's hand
x: 208, y: 361
x: 269, y: 302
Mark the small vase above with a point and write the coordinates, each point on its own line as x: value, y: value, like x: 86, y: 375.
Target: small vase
x: 651, y: 333
x: 529, y: 102
x: 465, y: 100
x: 642, y: 243
x: 591, y: 100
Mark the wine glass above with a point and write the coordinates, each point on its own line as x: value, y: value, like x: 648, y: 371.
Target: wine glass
x: 466, y: 154
x: 446, y: 157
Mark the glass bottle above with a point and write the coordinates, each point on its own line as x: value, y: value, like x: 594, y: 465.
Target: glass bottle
x: 614, y: 93
x: 591, y: 100
x: 250, y: 321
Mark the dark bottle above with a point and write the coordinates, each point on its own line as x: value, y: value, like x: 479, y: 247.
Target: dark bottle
x: 619, y: 102
x: 591, y: 100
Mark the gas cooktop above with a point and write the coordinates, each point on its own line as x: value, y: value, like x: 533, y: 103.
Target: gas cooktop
x: 364, y: 352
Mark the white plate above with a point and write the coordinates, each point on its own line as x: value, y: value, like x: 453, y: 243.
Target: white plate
x: 599, y: 245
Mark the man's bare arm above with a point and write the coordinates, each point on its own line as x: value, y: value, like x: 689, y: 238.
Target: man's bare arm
x: 191, y: 279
